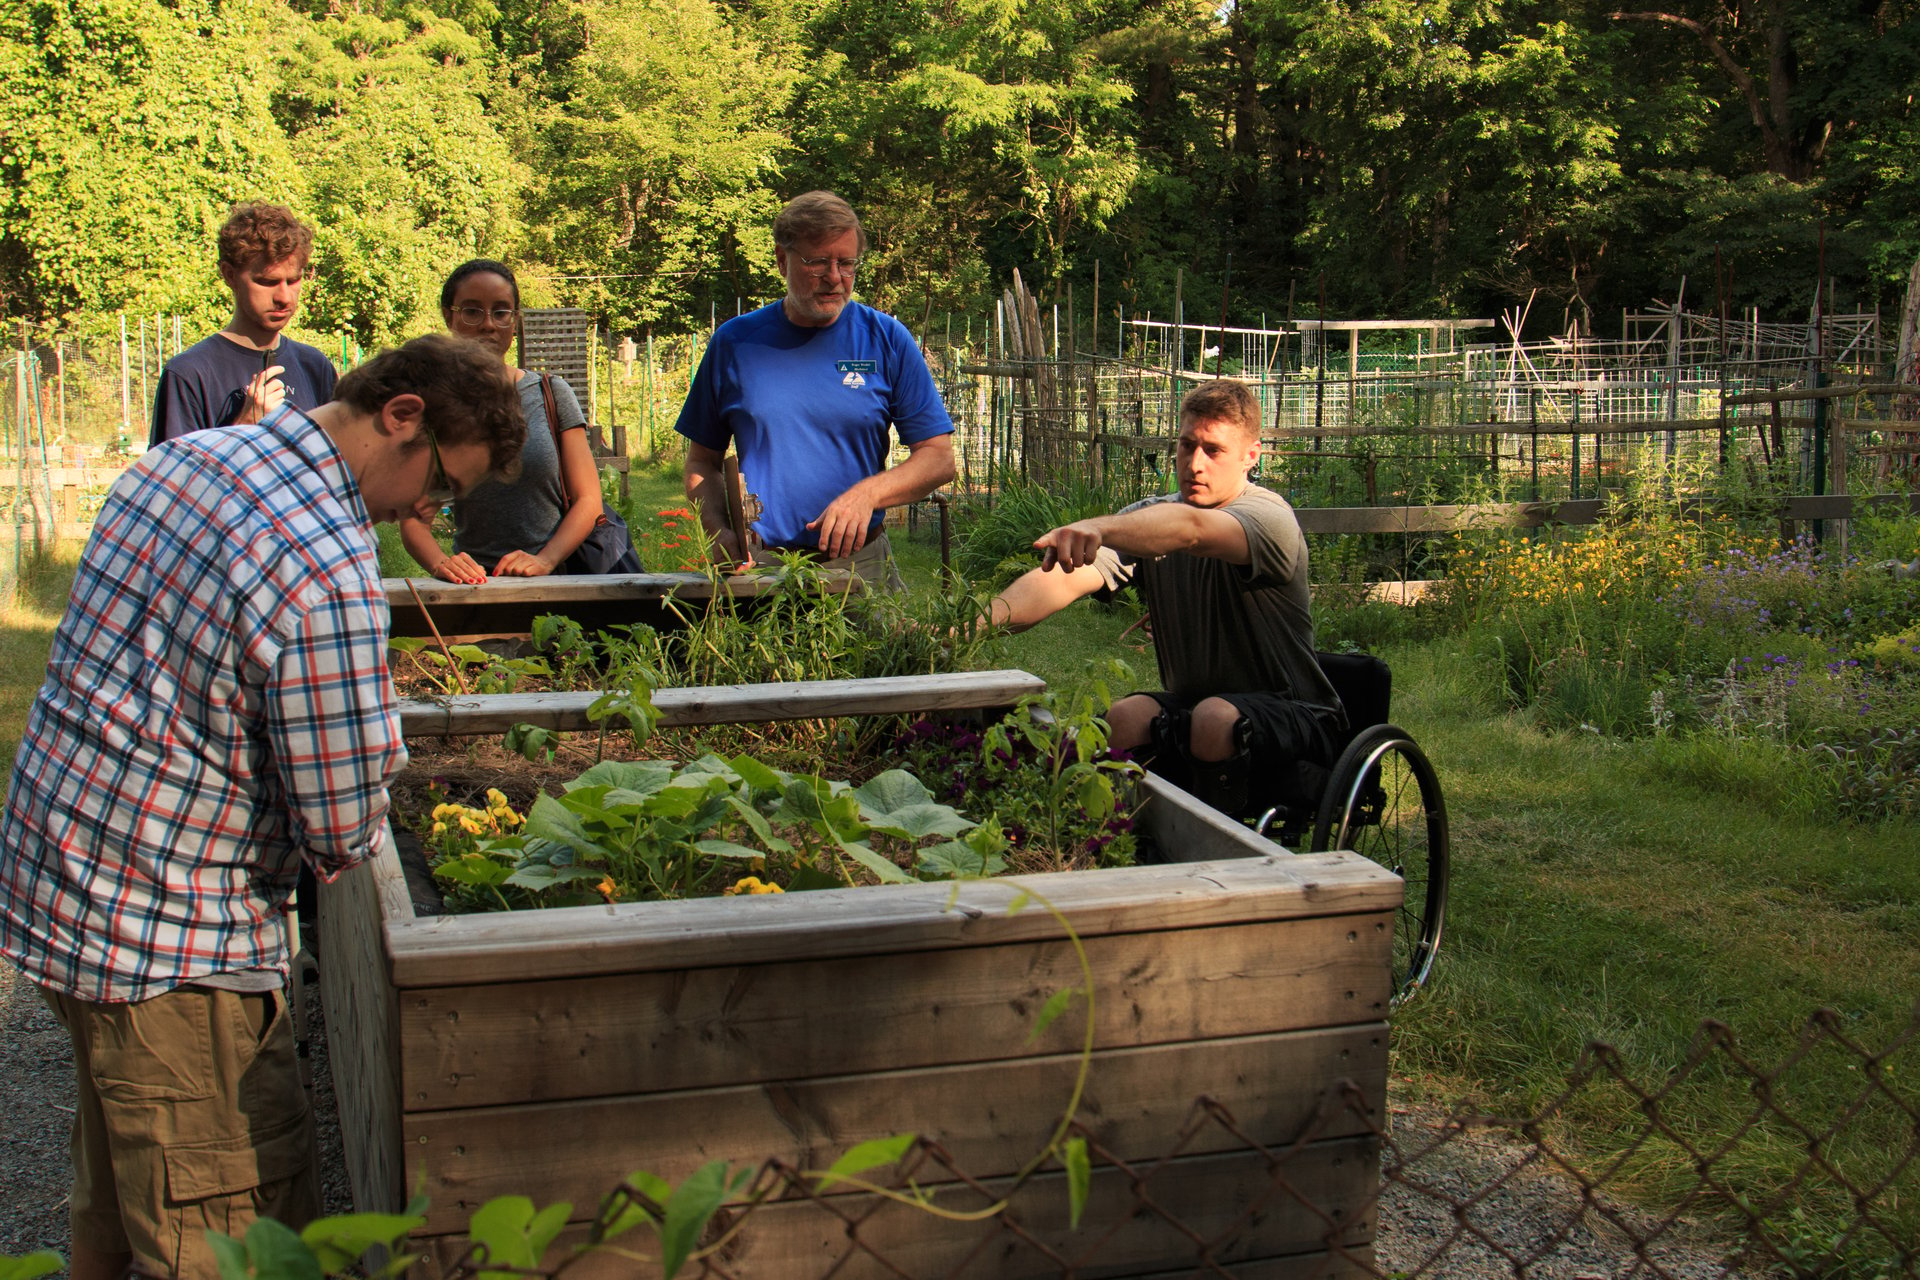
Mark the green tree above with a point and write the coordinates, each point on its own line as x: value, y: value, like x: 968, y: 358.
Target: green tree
x: 407, y: 171
x: 658, y: 158
x: 127, y: 129
x: 954, y: 127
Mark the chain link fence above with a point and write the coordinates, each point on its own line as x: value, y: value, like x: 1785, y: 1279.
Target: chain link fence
x: 1466, y: 1195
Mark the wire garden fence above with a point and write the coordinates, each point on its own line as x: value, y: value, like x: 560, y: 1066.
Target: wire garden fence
x: 1468, y: 1195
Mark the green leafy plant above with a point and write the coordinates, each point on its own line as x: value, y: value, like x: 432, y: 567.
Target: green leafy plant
x: 33, y: 1265
x: 1048, y: 758
x: 567, y: 647
x: 626, y: 831
x: 483, y: 672
x: 532, y: 742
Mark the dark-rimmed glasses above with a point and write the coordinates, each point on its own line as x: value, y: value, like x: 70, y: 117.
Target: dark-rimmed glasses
x: 472, y: 315
x: 440, y: 489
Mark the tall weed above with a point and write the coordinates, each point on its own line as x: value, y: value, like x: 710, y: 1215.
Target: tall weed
x: 997, y: 543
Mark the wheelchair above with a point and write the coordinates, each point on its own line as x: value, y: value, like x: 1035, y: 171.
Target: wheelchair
x: 1381, y: 799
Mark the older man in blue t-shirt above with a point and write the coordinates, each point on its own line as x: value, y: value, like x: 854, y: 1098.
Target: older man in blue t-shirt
x: 807, y: 388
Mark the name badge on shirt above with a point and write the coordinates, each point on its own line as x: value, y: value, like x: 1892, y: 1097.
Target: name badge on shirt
x: 852, y: 371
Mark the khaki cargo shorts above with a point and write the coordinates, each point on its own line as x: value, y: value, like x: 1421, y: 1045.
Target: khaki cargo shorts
x: 190, y: 1118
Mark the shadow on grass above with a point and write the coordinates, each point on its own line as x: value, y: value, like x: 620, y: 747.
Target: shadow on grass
x: 26, y: 635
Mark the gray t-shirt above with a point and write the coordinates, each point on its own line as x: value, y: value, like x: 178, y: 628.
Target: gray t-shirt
x: 496, y: 518
x: 1227, y: 628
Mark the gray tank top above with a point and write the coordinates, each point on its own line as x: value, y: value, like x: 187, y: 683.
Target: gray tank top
x: 497, y: 518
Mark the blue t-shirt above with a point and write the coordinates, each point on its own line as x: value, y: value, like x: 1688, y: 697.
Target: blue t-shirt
x: 206, y: 385
x: 809, y: 409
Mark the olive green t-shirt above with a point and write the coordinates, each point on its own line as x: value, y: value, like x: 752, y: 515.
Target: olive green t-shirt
x: 1228, y: 628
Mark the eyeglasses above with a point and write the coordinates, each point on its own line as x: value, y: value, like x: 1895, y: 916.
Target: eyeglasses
x: 819, y: 266
x: 473, y: 315
x: 440, y: 490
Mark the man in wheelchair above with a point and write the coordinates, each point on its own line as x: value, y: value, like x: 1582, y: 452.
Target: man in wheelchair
x: 1248, y: 721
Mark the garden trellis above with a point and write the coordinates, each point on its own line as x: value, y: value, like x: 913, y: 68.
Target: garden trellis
x: 1033, y: 390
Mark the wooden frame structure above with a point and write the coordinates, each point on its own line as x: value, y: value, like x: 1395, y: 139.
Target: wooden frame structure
x: 550, y: 1053
x: 507, y: 606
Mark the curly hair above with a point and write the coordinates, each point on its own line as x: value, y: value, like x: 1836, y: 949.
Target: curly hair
x: 256, y: 232
x: 471, y: 396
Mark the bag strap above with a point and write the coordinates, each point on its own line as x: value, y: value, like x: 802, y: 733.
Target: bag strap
x: 553, y: 425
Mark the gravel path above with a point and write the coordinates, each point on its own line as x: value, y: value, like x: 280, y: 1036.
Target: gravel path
x: 36, y: 1108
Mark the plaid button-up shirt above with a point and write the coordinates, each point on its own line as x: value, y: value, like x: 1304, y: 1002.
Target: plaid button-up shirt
x: 217, y: 707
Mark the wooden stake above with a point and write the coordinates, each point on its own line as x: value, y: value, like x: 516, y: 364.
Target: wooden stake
x: 736, y: 505
x: 125, y: 427
x: 459, y: 681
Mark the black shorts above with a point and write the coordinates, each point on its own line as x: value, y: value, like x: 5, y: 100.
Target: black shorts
x: 1279, y: 733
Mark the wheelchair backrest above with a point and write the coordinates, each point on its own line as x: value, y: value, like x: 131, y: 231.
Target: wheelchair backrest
x: 1365, y: 686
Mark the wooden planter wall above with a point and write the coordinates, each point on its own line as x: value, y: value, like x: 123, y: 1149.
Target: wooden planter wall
x: 550, y: 1053
x: 508, y: 606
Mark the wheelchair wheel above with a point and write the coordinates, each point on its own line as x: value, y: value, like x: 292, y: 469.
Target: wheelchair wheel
x: 1384, y: 803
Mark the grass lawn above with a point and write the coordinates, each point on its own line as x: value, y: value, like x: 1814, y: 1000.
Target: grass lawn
x: 1598, y: 895
x: 26, y: 633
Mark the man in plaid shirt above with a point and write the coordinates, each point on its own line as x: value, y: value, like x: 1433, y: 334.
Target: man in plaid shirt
x: 217, y: 709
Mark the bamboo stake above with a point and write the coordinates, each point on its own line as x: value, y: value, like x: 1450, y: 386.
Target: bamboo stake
x: 459, y: 681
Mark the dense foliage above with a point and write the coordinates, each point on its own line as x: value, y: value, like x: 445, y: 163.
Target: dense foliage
x: 1420, y: 155
x: 1707, y: 634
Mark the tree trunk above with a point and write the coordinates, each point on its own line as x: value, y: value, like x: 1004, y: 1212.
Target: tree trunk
x: 1904, y: 371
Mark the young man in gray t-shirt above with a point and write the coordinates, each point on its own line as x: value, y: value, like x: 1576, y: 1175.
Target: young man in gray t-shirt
x: 1223, y: 568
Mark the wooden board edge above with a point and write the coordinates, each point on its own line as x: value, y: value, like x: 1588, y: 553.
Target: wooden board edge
x: 807, y: 1122
x: 697, y: 933
x: 363, y: 1024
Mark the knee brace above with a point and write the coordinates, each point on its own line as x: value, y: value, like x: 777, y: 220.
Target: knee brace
x: 1165, y: 750
x: 1224, y: 783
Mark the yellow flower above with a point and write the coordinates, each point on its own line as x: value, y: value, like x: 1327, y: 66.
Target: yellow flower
x: 468, y: 825
x: 445, y: 811
x: 439, y: 828
x: 496, y: 798
x: 605, y: 888
x: 752, y: 884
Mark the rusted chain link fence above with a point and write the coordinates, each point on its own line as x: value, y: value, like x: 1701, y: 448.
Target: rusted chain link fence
x: 1470, y: 1195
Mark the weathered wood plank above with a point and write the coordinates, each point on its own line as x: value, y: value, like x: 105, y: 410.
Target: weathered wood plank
x: 990, y: 1117
x: 1185, y: 829
x: 1262, y: 883
x: 363, y: 1035
x: 727, y: 703
x: 508, y: 606
x: 1355, y: 1262
x: 591, y: 586
x: 1824, y: 393
x: 1252, y: 1220
x: 743, y: 1024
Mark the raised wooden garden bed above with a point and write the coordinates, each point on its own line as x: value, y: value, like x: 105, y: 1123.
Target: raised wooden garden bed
x: 508, y: 606
x: 550, y: 1053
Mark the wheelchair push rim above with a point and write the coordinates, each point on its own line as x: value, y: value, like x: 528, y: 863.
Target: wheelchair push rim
x: 1384, y: 803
